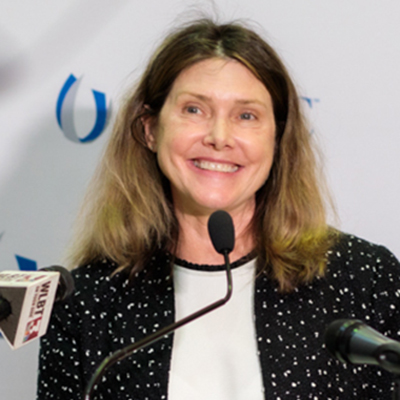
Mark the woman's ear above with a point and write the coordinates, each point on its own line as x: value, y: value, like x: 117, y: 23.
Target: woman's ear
x: 149, y: 132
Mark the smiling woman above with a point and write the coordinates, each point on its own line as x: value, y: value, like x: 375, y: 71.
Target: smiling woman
x: 214, y: 123
x: 130, y: 208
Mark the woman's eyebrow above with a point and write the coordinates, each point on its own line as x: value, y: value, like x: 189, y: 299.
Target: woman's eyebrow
x: 197, y: 95
x: 209, y: 99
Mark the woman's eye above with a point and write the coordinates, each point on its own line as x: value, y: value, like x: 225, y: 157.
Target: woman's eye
x: 192, y: 110
x: 247, y: 116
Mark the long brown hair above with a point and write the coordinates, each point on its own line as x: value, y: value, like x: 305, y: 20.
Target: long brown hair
x: 129, y: 212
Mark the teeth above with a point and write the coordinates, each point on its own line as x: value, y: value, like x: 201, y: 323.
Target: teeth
x: 213, y: 166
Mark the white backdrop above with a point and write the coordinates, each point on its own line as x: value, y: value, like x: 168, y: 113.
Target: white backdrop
x: 344, y: 55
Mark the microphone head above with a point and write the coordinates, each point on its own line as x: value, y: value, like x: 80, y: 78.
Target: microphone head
x: 221, y: 231
x: 337, y: 337
x: 352, y: 341
x: 66, y: 284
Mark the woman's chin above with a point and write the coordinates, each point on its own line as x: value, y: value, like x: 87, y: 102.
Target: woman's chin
x: 209, y: 205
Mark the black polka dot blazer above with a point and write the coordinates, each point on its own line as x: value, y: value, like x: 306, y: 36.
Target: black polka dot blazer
x: 107, y: 313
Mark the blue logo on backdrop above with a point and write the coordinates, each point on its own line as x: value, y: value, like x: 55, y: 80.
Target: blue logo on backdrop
x: 65, y: 111
x: 26, y: 264
x: 310, y: 101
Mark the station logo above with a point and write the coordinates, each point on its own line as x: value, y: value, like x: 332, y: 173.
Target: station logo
x: 32, y: 329
x: 67, y: 113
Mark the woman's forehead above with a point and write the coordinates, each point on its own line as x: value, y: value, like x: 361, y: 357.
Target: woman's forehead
x: 218, y: 78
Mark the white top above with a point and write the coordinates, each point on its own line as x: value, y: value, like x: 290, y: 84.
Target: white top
x: 215, y: 357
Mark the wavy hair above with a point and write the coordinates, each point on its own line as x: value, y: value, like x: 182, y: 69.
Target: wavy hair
x: 128, y: 213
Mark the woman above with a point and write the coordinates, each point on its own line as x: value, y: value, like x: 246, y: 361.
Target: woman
x: 215, y: 123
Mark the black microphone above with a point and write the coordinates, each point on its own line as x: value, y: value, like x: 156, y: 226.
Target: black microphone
x: 221, y: 231
x: 354, y: 342
x: 26, y: 301
x: 222, y: 234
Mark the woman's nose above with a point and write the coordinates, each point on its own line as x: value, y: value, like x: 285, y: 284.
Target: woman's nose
x: 220, y: 134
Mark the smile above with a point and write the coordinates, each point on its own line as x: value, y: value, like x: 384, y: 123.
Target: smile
x: 215, y: 166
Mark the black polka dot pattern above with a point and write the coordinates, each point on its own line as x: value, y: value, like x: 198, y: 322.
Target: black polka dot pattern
x: 106, y: 313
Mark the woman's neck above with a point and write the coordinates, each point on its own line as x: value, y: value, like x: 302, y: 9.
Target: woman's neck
x: 194, y: 244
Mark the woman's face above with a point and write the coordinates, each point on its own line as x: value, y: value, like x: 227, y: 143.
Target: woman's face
x: 215, y: 137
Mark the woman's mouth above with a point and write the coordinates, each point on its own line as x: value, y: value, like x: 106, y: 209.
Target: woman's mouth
x: 216, y: 166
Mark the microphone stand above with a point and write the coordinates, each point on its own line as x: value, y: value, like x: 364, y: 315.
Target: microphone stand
x: 128, y: 350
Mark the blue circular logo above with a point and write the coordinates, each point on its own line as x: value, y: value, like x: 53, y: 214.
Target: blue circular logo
x: 65, y: 111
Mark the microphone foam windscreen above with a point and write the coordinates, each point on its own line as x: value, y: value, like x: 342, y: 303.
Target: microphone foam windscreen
x: 66, y: 284
x: 221, y: 231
